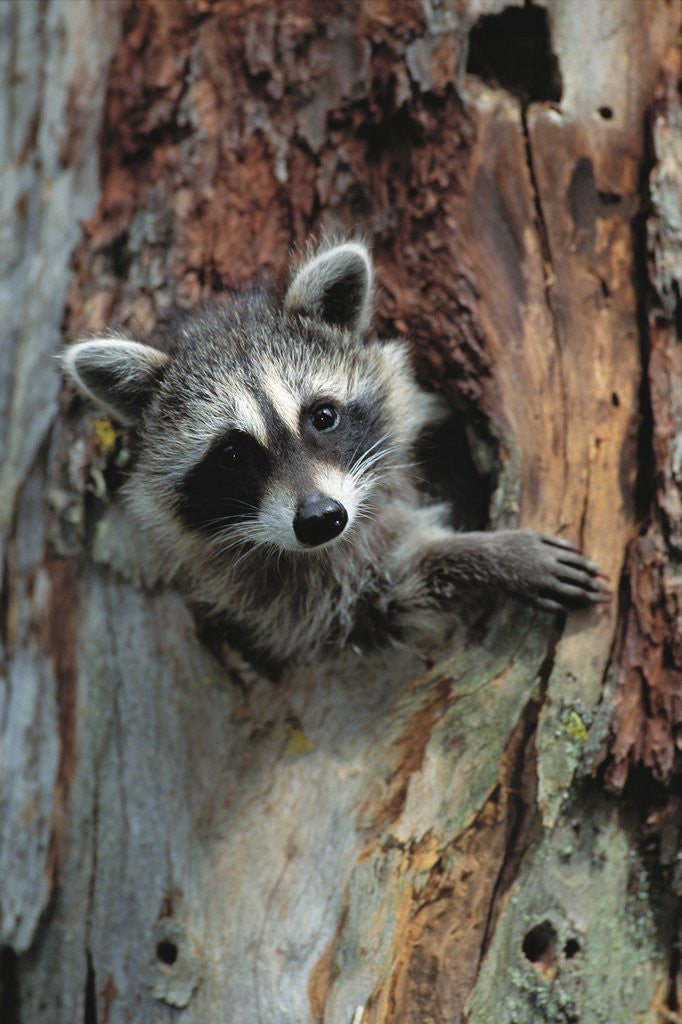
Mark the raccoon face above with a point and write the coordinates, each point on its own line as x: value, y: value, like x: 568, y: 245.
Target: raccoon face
x: 292, y: 474
x: 272, y: 424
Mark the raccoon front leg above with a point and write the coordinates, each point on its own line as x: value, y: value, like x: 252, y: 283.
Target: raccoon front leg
x: 443, y: 568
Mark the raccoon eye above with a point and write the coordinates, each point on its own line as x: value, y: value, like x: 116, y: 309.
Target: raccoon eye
x: 229, y: 457
x: 324, y: 417
x: 233, y: 453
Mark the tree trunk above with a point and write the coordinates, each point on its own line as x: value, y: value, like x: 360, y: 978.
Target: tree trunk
x: 493, y: 838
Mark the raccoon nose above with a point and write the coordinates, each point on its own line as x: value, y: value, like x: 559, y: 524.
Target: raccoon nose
x: 319, y: 519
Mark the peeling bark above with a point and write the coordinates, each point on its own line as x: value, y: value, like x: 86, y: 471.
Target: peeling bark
x: 647, y: 725
x: 492, y: 837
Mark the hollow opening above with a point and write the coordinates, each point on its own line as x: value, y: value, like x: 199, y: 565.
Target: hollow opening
x: 571, y: 948
x: 447, y: 472
x: 606, y: 113
x: 167, y: 952
x: 513, y: 49
x: 539, y: 947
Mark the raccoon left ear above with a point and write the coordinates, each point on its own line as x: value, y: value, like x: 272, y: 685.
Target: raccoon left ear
x: 335, y: 286
x: 116, y: 373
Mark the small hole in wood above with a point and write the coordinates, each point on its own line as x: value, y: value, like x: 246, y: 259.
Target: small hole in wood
x: 539, y: 946
x: 167, y: 952
x: 606, y: 113
x: 615, y: 400
x: 571, y: 948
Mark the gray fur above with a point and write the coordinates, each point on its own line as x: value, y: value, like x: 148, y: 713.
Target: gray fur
x: 244, y: 384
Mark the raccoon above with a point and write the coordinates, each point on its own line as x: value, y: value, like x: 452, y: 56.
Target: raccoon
x: 274, y: 472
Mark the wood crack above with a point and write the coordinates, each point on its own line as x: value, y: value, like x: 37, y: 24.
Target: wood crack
x: 522, y: 811
x: 549, y: 277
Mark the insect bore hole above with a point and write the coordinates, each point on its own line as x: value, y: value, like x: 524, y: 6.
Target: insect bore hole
x: 539, y: 946
x: 167, y: 952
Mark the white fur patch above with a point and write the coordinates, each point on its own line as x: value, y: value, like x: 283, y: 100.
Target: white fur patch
x: 276, y: 520
x: 340, y: 487
x: 285, y: 402
x: 247, y: 415
x: 324, y: 386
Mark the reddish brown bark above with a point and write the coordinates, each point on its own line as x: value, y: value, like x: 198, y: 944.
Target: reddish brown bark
x: 647, y: 723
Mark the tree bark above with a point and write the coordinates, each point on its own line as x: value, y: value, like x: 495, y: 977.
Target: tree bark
x: 492, y: 838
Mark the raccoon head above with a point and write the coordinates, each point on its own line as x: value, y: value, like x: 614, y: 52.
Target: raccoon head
x: 272, y: 423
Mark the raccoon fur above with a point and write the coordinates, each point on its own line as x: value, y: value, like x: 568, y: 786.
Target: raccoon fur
x: 274, y: 473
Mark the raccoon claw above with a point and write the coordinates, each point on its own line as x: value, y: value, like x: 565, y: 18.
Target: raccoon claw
x: 558, y: 542
x: 573, y: 579
x: 548, y: 605
x: 577, y: 561
x: 551, y: 573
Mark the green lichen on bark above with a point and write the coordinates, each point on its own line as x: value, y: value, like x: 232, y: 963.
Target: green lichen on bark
x: 604, y: 955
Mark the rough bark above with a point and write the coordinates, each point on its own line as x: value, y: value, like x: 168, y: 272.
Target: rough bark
x: 492, y: 838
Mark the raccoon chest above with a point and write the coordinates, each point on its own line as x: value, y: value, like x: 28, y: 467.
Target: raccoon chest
x: 286, y: 609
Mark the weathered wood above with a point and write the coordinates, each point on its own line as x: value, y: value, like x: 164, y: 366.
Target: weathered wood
x: 368, y: 838
x: 52, y: 95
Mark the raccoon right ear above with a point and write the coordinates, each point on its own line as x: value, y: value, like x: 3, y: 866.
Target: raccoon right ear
x: 335, y: 286
x: 118, y: 374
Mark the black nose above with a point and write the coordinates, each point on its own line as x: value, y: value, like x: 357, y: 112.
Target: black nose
x: 319, y: 519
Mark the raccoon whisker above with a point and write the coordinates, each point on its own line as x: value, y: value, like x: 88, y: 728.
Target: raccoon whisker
x: 380, y: 440
x: 364, y: 510
x: 224, y: 525
x: 244, y: 534
x: 250, y: 534
x: 365, y: 454
x: 235, y: 545
x: 224, y: 501
x: 402, y: 465
x: 245, y: 554
x: 363, y: 468
x: 387, y: 466
x: 372, y: 455
x: 236, y: 516
x: 233, y: 521
x: 380, y: 459
x: 369, y: 459
x: 255, y: 543
x: 369, y: 516
x: 353, y: 456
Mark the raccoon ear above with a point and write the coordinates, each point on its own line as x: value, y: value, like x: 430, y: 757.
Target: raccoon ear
x: 335, y: 286
x: 118, y: 374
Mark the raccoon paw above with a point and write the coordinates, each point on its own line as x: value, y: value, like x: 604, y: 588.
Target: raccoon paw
x: 552, y: 574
